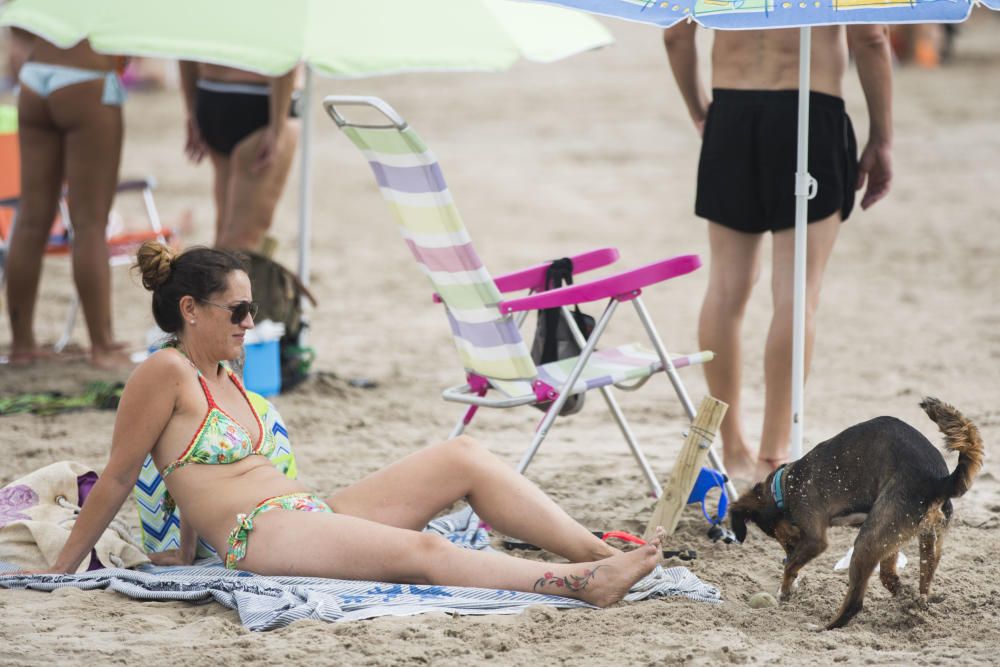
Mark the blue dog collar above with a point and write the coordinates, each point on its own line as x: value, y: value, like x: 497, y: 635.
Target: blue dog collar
x: 779, y: 497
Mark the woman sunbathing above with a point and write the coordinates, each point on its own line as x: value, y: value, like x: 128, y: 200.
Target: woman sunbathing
x: 186, y: 407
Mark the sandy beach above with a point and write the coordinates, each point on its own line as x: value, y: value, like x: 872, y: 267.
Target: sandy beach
x: 546, y: 161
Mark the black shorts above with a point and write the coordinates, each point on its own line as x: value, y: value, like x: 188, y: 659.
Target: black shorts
x: 746, y: 174
x: 227, y: 113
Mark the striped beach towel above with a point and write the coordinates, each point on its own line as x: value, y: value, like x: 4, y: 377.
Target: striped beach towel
x: 268, y: 603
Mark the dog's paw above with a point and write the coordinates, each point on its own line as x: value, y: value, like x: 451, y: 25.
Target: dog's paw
x: 784, y: 594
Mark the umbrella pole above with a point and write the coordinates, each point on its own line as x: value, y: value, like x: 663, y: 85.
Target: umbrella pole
x: 802, y: 186
x: 305, y: 189
x: 305, y: 180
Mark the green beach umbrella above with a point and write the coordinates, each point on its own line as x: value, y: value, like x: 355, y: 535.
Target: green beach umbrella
x: 338, y: 38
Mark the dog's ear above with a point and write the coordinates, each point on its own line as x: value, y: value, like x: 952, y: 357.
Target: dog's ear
x: 746, y: 508
x: 738, y: 521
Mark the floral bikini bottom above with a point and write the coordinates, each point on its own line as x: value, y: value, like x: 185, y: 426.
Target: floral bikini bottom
x: 300, y: 502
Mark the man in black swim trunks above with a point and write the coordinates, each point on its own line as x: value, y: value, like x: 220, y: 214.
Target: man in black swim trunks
x: 746, y: 179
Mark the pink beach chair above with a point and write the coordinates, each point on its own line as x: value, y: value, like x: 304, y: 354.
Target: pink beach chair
x: 499, y: 371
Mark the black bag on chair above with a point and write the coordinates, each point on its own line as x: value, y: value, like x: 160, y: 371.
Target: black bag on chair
x: 553, y: 338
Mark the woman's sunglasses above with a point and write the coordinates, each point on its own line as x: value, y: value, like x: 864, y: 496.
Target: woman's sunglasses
x: 239, y: 311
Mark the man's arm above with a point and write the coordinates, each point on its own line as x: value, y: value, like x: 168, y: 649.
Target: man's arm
x: 870, y: 45
x: 682, y: 53
x: 194, y: 146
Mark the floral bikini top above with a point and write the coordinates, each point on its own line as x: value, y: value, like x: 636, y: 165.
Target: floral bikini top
x: 220, y: 439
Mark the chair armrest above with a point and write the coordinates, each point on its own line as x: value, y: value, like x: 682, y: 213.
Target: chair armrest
x: 618, y: 285
x: 534, y: 277
x: 136, y: 184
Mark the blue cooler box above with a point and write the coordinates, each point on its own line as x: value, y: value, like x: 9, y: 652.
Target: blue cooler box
x: 262, y: 368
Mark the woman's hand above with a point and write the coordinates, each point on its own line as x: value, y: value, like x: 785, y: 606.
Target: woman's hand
x: 267, y: 149
x: 194, y: 147
x: 170, y: 557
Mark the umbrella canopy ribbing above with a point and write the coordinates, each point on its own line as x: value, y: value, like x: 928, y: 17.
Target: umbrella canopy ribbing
x: 760, y: 14
x: 335, y: 37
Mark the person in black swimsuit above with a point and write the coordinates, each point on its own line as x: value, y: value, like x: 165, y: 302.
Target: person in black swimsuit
x: 745, y: 192
x: 247, y: 125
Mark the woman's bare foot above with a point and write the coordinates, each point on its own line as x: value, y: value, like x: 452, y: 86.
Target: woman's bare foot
x: 604, y: 582
x: 113, y: 357
x: 29, y: 356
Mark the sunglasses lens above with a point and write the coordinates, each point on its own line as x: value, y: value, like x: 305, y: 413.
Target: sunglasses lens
x: 242, y: 309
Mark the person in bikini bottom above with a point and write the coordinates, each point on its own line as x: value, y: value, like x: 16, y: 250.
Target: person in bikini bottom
x: 370, y: 530
x: 70, y: 132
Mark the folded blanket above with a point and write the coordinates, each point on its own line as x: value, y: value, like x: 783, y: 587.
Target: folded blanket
x: 267, y: 603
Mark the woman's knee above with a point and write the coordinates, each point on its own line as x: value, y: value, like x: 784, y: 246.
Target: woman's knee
x: 465, y: 446
x: 426, y: 553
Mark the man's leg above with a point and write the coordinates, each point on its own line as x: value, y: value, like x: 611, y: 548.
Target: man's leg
x: 778, y: 354
x: 733, y: 269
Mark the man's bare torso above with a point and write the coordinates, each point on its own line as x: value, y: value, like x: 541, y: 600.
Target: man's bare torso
x: 769, y: 59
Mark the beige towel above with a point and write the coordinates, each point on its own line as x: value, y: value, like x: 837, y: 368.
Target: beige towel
x: 37, y: 513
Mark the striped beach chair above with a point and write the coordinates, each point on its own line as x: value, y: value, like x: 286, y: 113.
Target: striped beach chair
x: 499, y: 371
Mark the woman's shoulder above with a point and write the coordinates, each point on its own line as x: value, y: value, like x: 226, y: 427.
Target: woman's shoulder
x: 162, y: 367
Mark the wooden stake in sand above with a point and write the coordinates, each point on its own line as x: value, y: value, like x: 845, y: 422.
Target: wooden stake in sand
x: 682, y: 478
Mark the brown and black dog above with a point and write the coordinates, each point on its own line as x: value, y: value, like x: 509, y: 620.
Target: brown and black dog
x: 882, y: 475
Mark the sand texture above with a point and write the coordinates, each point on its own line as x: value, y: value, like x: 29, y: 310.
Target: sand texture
x: 546, y: 161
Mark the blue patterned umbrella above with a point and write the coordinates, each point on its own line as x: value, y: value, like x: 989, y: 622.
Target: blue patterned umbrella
x: 766, y: 14
x: 757, y: 14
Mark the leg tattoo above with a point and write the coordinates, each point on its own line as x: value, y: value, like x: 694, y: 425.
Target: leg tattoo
x: 570, y: 582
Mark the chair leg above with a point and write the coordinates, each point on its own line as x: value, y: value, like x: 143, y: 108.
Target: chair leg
x: 574, y: 375
x: 540, y: 432
x: 151, y: 212
x: 67, y: 333
x: 647, y: 470
x: 462, y: 422
x: 675, y: 380
x: 616, y: 412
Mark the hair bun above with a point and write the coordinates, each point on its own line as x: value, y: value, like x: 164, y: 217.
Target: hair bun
x: 154, y: 261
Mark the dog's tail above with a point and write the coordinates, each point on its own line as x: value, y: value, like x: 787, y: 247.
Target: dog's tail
x: 962, y: 436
